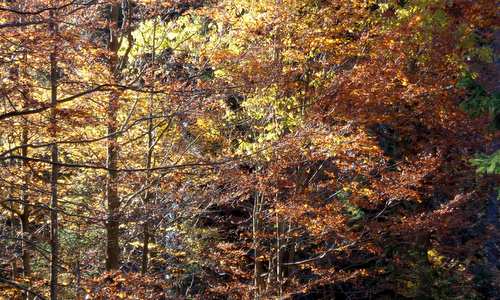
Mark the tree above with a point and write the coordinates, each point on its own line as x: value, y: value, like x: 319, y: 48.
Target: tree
x: 113, y: 202
x: 54, y: 206
x: 270, y: 149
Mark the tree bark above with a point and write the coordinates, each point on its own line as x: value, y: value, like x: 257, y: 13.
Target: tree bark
x: 113, y: 202
x: 26, y: 253
x: 13, y: 263
x: 290, y: 252
x: 149, y: 156
x: 54, y: 226
x: 147, y: 197
x: 26, y: 212
x: 258, y: 267
x: 113, y: 221
x: 279, y: 255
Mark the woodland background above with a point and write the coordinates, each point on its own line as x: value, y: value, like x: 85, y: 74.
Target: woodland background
x: 239, y: 149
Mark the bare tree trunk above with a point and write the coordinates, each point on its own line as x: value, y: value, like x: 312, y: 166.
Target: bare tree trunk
x: 26, y: 255
x: 24, y: 217
x: 113, y: 202
x: 26, y: 211
x: 145, y: 245
x: 149, y: 156
x: 54, y: 226
x: 271, y: 273
x: 147, y: 196
x: 77, y: 267
x: 258, y: 267
x: 279, y: 256
x: 291, y: 245
x: 13, y: 264
x: 25, y: 214
x: 113, y: 222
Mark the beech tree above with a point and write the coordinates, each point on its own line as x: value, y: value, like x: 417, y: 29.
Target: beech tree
x: 248, y: 149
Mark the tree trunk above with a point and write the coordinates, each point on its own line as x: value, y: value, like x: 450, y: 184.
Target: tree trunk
x: 279, y: 255
x: 290, y: 253
x: 13, y: 263
x: 149, y: 156
x: 54, y: 238
x: 258, y: 267
x: 25, y: 226
x: 25, y: 215
x: 113, y: 222
x: 147, y: 197
x: 113, y: 202
x: 26, y: 255
x: 26, y: 211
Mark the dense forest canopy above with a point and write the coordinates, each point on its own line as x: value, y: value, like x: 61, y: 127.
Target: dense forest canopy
x: 244, y: 149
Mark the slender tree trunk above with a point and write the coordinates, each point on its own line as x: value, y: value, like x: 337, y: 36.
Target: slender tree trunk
x: 77, y: 266
x: 113, y: 202
x: 271, y: 274
x: 290, y: 253
x: 279, y: 255
x: 145, y: 245
x: 147, y: 196
x: 26, y: 255
x: 258, y: 267
x: 26, y: 237
x: 12, y: 231
x: 149, y: 156
x: 26, y: 212
x: 113, y: 222
x: 54, y: 227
